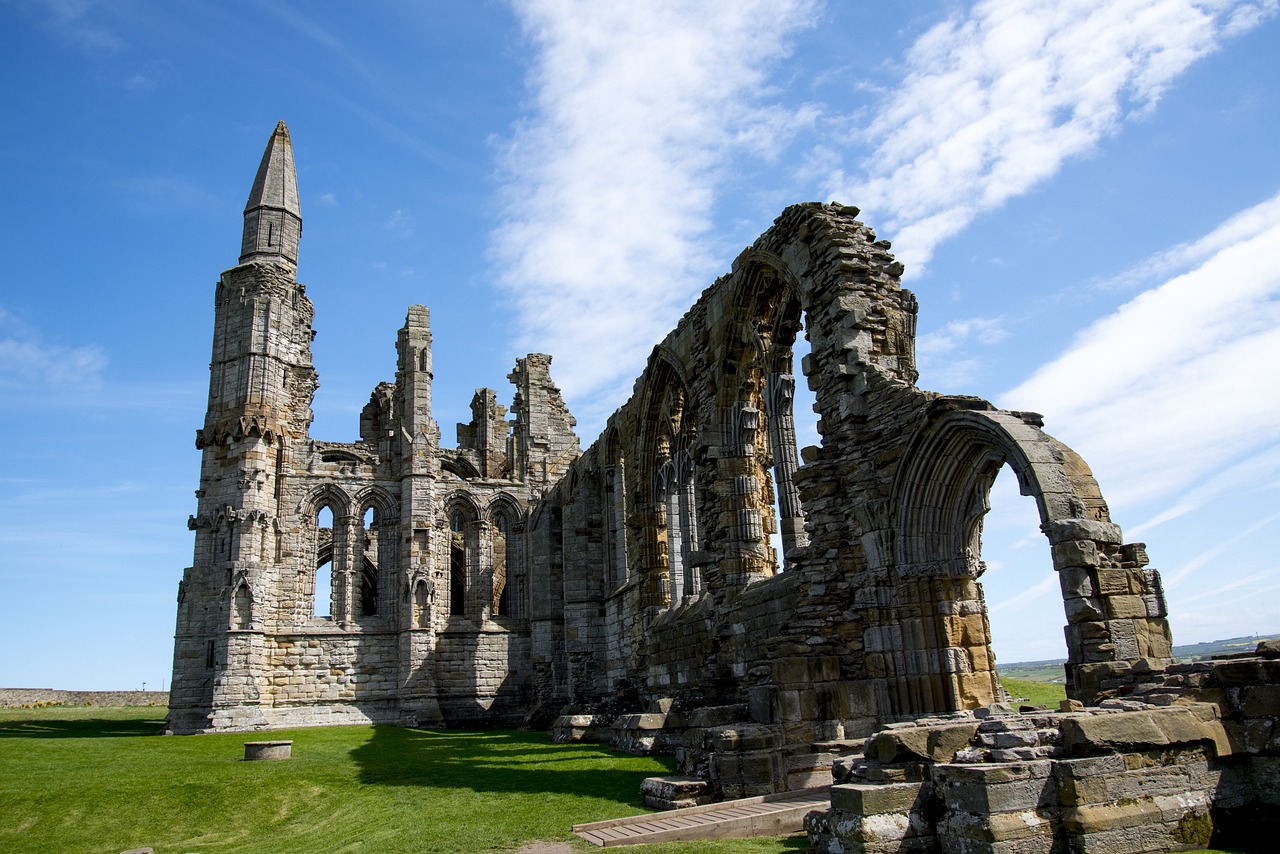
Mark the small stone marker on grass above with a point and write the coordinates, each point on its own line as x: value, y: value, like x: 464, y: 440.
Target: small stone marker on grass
x: 255, y: 750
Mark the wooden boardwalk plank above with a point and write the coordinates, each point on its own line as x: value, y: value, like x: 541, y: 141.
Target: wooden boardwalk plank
x: 766, y: 814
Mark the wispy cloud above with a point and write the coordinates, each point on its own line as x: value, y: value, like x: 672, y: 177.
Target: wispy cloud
x: 1244, y: 225
x: 995, y: 100
x: 77, y: 22
x: 610, y: 185
x: 1046, y: 585
x: 945, y: 355
x: 28, y: 362
x: 1164, y: 393
x: 1185, y: 570
x: 400, y: 223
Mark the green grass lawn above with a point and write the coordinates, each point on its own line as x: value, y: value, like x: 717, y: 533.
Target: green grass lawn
x: 91, y: 779
x: 1035, y: 693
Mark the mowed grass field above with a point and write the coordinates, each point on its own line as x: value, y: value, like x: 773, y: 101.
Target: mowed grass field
x: 92, y: 779
x: 1036, y: 693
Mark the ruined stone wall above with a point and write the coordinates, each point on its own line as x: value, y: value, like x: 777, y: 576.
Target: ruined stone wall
x: 428, y: 610
x: 483, y: 676
x: 1185, y: 761
x: 654, y: 569
x: 878, y: 612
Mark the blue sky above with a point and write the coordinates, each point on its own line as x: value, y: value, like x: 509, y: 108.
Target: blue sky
x: 1086, y: 196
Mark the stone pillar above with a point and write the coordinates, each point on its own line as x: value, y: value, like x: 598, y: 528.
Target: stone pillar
x: 780, y: 390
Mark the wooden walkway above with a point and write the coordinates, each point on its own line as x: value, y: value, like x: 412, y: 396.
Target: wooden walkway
x: 766, y: 815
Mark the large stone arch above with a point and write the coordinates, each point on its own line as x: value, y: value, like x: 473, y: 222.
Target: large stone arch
x: 759, y: 377
x: 944, y: 660
x: 669, y: 433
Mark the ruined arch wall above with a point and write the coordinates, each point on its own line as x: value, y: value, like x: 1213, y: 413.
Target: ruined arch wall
x: 879, y: 614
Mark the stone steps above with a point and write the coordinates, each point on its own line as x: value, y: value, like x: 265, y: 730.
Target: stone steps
x: 765, y: 815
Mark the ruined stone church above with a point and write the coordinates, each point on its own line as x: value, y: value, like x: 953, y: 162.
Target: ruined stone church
x: 632, y: 591
x: 396, y: 579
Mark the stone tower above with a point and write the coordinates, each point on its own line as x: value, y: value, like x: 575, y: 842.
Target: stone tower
x: 260, y: 387
x: 385, y: 579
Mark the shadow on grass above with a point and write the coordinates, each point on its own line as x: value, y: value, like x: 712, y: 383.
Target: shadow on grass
x: 83, y: 728
x: 498, y: 761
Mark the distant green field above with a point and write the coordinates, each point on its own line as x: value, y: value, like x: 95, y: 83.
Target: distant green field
x: 1034, y: 671
x: 93, y: 779
x: 1035, y: 693
x: 1052, y: 670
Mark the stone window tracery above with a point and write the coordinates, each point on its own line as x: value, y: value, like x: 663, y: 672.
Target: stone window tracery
x: 510, y: 577
x: 369, y: 563
x: 322, y: 578
x: 677, y: 497
x: 615, y: 514
x: 462, y: 559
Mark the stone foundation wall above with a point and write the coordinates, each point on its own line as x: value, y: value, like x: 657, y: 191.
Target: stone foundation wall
x: 483, y: 675
x: 329, y: 668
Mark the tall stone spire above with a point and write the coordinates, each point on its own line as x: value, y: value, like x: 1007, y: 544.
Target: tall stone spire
x: 273, y: 216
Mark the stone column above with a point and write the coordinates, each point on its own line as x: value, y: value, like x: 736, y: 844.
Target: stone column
x: 780, y: 391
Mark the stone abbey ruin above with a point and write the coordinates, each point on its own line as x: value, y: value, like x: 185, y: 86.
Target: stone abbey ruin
x: 630, y: 593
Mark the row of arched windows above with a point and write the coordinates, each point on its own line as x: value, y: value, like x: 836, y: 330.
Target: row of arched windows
x: 488, y: 575
x: 350, y: 561
x: 760, y: 428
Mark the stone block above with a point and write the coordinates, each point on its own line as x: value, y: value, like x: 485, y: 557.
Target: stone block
x: 760, y: 703
x: 935, y: 743
x: 1083, y: 610
x: 1004, y: 787
x: 1099, y: 818
x: 674, y: 792
x: 1090, y: 733
x: 1083, y: 529
x: 1126, y: 607
x: 255, y: 751
x: 876, y: 799
x: 1114, y: 582
x: 1260, y: 700
x: 1020, y: 832
x: 1076, y: 582
x: 1126, y: 785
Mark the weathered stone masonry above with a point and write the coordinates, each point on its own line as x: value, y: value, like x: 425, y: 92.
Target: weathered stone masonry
x: 426, y: 617
x: 642, y: 569
x: 633, y: 591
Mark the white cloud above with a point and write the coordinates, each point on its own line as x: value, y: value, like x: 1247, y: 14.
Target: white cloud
x: 1174, y: 390
x: 1244, y: 225
x: 27, y: 362
x: 941, y: 354
x: 610, y: 184
x: 400, y: 223
x: 73, y: 21
x: 1041, y: 589
x: 995, y: 100
x: 1184, y: 571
